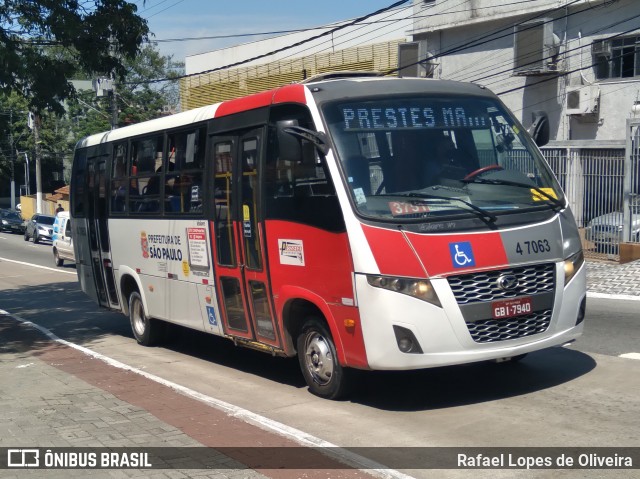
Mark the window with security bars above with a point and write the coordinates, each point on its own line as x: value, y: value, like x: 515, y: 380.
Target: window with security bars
x: 617, y: 58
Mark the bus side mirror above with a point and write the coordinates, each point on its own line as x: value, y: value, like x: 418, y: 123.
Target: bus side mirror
x: 289, y: 146
x: 539, y: 129
x: 293, y: 138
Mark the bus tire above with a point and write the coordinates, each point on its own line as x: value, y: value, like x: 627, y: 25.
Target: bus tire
x: 146, y: 330
x: 319, y: 362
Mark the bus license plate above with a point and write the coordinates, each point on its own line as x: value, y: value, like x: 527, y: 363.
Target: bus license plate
x: 510, y: 308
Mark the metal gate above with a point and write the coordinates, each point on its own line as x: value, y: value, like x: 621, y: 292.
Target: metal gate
x: 603, y: 186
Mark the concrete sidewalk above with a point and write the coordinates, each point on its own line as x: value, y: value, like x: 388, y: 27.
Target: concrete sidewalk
x: 54, y: 396
x: 614, y: 279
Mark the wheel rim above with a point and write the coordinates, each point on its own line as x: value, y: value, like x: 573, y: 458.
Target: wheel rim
x: 137, y: 318
x: 319, y: 359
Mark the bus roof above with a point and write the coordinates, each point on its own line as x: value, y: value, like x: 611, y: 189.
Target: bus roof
x: 323, y: 89
x: 352, y: 87
x: 285, y: 94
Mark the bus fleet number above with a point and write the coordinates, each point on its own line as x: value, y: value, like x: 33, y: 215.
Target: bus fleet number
x: 533, y: 247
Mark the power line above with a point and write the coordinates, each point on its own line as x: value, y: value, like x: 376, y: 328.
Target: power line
x: 288, y: 47
x: 489, y: 37
x: 508, y: 54
x: 561, y: 74
x: 579, y: 48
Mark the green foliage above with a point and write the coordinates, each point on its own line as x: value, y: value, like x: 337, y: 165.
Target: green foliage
x: 137, y: 100
x: 95, y: 36
x: 44, y: 44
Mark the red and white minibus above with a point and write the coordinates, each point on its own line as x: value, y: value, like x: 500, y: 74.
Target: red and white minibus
x: 367, y: 223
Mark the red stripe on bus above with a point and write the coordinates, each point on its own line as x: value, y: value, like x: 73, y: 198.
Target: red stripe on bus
x: 323, y: 277
x: 245, y: 103
x: 435, y: 253
x: 290, y: 94
x: 287, y: 94
x: 392, y: 253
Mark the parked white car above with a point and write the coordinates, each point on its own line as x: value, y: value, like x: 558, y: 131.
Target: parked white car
x: 605, y: 231
x: 62, y: 239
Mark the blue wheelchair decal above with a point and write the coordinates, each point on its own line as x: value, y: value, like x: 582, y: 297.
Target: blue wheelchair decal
x: 462, y: 255
x: 211, y: 314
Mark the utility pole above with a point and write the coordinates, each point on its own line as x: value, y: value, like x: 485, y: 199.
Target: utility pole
x: 107, y: 87
x: 114, y: 106
x: 12, y: 159
x: 36, y: 140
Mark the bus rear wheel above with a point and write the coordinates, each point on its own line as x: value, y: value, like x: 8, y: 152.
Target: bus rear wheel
x: 319, y: 362
x: 146, y: 330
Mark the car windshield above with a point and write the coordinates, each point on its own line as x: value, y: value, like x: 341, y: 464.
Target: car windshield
x: 11, y: 215
x: 426, y: 158
x: 45, y: 220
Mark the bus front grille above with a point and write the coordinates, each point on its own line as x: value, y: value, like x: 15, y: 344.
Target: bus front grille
x: 483, y: 286
x: 491, y: 330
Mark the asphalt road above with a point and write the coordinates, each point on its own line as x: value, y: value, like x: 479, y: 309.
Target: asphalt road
x: 582, y: 395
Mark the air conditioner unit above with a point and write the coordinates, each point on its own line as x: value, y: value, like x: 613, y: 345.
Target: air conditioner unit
x: 414, y: 60
x: 582, y: 100
x: 601, y: 47
x: 536, y: 48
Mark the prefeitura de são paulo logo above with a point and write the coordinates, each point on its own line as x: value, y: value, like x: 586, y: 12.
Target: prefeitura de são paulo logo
x: 144, y: 244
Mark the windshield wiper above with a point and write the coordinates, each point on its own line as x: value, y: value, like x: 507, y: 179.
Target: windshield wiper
x: 484, y: 214
x: 557, y: 204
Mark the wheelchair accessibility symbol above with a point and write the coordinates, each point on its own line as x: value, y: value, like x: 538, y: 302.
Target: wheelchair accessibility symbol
x: 462, y: 255
x: 211, y: 314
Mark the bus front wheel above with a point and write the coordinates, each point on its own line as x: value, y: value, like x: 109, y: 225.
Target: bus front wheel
x: 319, y: 362
x: 145, y: 329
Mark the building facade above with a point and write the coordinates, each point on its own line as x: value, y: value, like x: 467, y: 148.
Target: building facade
x: 578, y: 60
x: 371, y: 45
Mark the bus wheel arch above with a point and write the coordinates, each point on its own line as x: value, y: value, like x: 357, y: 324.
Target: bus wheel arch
x: 309, y: 332
x: 127, y: 286
x: 146, y: 330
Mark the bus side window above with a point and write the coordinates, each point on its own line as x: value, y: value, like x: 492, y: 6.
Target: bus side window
x: 298, y: 187
x: 119, y: 179
x: 183, y: 187
x: 146, y: 171
x: 223, y: 202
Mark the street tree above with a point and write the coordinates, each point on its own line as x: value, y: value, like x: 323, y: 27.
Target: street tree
x: 137, y: 98
x: 96, y: 36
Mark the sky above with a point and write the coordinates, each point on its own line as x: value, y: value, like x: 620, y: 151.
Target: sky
x: 171, y: 19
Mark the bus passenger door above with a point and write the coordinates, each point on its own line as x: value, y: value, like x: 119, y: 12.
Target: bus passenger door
x: 242, y: 281
x: 97, y: 223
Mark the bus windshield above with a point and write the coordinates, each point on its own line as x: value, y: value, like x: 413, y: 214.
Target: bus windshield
x: 429, y: 158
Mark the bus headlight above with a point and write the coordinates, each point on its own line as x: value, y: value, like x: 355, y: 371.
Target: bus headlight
x: 417, y: 288
x: 571, y: 265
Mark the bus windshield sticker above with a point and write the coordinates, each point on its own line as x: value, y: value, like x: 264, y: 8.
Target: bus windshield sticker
x: 537, y: 196
x: 401, y: 208
x: 360, y: 196
x: 462, y: 255
x: 291, y: 252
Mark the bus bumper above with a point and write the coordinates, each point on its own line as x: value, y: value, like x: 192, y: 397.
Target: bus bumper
x: 443, y: 335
